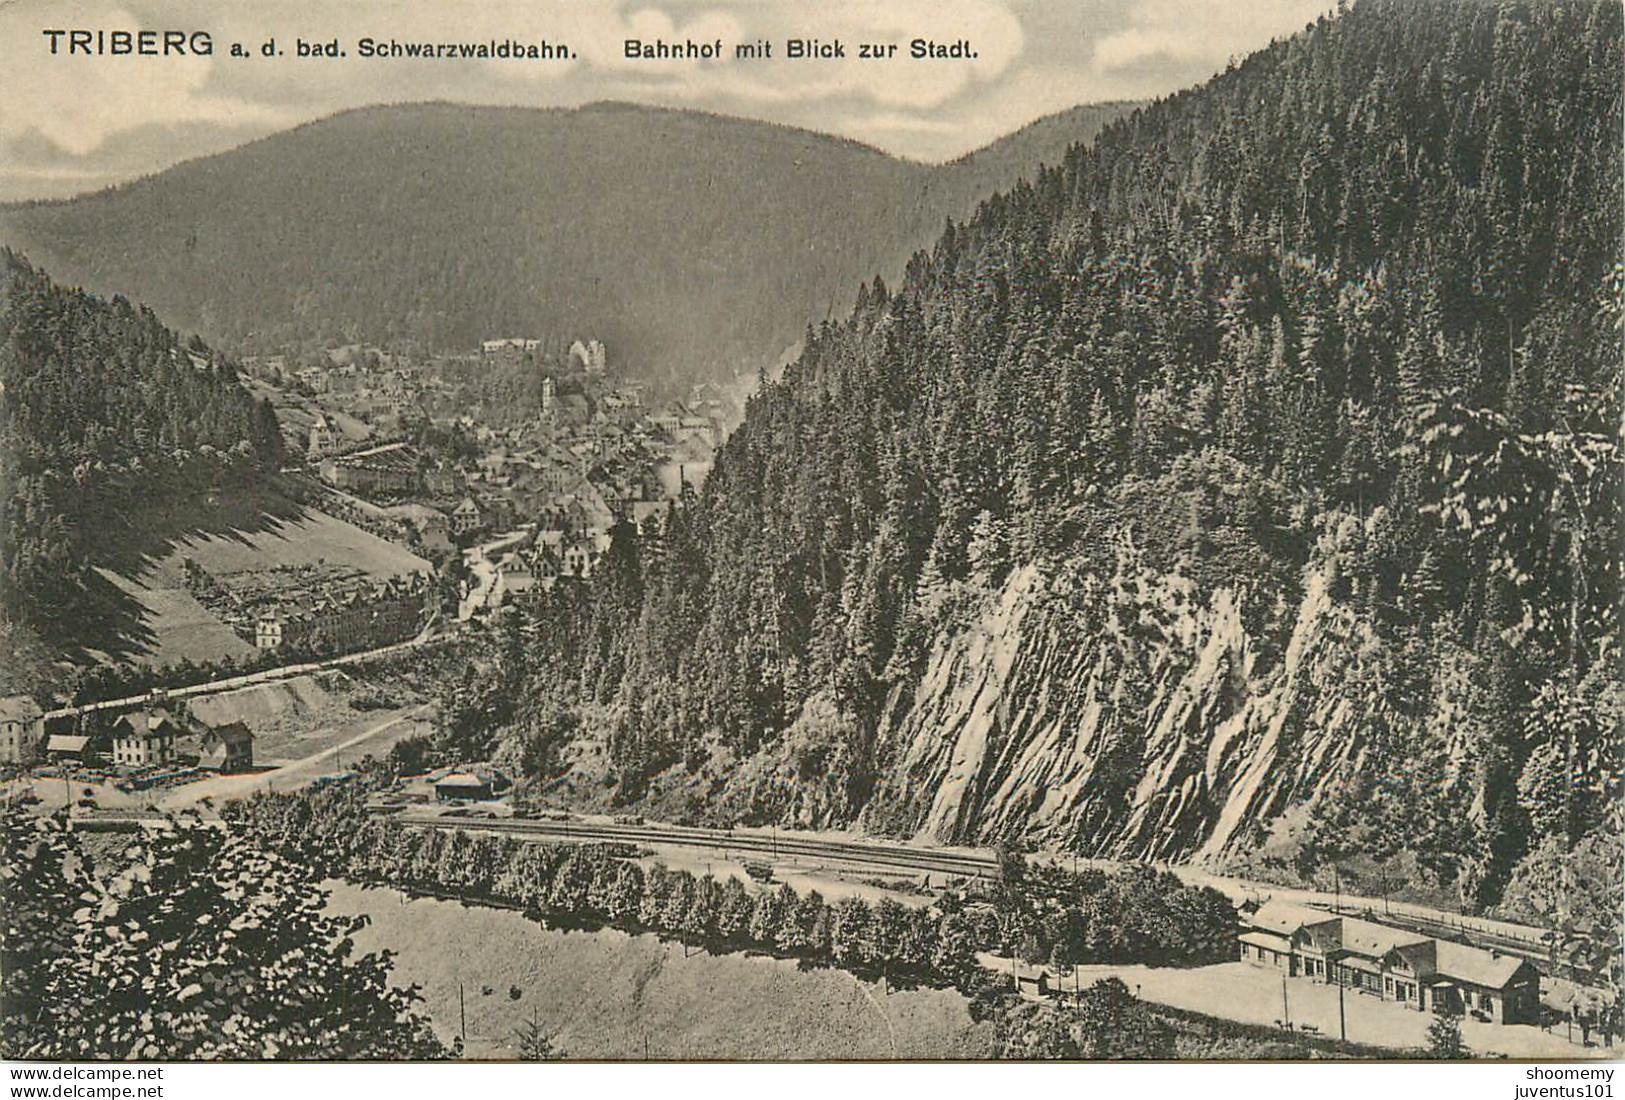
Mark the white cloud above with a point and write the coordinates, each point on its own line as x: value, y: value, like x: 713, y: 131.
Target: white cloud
x: 1208, y: 32
x: 1054, y: 55
x: 601, y: 34
x: 598, y: 32
x: 78, y: 101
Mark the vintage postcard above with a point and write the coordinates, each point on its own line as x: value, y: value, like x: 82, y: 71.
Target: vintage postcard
x: 798, y: 532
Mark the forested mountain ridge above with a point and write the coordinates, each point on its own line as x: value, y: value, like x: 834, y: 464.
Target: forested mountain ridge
x: 104, y: 414
x: 1246, y: 488
x: 693, y: 245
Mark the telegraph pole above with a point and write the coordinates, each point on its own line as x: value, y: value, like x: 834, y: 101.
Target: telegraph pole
x: 462, y: 1018
x: 1342, y: 1022
x: 1286, y: 1013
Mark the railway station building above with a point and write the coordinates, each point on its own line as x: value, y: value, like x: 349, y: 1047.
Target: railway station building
x: 1392, y: 964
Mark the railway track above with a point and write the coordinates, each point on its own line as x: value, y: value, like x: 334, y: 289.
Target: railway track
x: 920, y: 860
x: 773, y: 846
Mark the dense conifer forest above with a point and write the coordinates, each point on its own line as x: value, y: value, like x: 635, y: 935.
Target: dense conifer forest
x: 104, y: 414
x: 1352, y: 307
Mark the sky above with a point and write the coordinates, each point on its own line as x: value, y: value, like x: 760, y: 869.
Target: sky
x: 69, y: 124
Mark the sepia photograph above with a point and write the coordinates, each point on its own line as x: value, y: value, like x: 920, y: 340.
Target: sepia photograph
x: 670, y: 531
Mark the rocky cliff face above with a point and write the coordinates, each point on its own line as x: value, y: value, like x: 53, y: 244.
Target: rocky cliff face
x: 1126, y: 718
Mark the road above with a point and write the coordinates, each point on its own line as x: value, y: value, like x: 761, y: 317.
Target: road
x: 296, y: 774
x: 485, y: 571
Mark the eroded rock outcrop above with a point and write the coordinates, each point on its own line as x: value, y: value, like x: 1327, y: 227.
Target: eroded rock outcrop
x: 1128, y: 718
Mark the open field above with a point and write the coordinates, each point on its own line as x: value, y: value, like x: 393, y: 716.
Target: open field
x: 173, y: 626
x: 297, y: 717
x: 325, y: 750
x: 180, y: 628
x: 282, y: 714
x: 294, y: 719
x: 608, y: 995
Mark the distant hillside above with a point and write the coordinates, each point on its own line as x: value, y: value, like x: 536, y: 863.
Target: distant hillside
x: 1043, y: 142
x: 692, y: 244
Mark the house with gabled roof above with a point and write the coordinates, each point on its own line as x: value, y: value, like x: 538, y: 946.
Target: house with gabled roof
x: 324, y: 439
x: 1392, y: 964
x: 514, y: 578
x: 1368, y: 951
x: 1503, y: 988
x: 144, y: 737
x: 76, y: 736
x: 227, y: 748
x: 467, y: 517
x: 477, y: 783
x: 1293, y: 938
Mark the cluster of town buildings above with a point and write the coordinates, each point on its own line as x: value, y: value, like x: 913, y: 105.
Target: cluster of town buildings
x: 319, y: 608
x: 160, y: 734
x: 362, y: 614
x: 594, y: 454
x: 1407, y: 968
x: 564, y: 542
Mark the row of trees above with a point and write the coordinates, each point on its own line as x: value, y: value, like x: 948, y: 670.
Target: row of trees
x: 1136, y: 916
x: 597, y: 885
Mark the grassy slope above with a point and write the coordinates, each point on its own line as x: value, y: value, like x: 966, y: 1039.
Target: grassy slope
x: 305, y: 538
x: 176, y: 627
x: 602, y: 995
x: 294, y: 718
x: 165, y: 624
